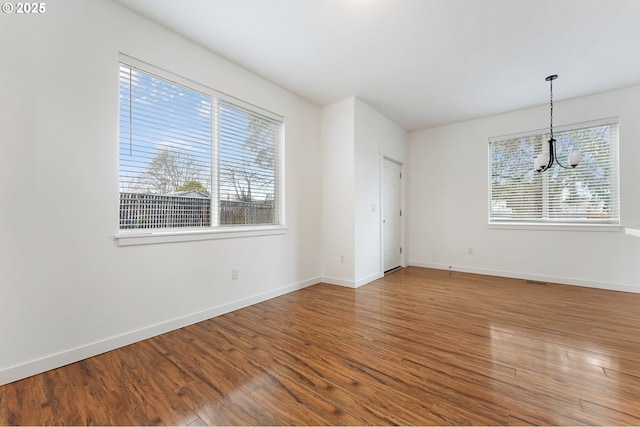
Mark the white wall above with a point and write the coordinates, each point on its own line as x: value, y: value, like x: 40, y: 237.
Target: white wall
x: 375, y: 137
x: 67, y: 290
x: 448, y: 202
x: 354, y: 137
x: 338, y: 186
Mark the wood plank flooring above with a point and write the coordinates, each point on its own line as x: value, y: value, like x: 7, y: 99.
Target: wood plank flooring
x: 418, y: 347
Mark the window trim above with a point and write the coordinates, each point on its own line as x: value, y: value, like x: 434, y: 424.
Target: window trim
x: 131, y: 238
x: 554, y: 226
x: 213, y: 232
x: 557, y: 225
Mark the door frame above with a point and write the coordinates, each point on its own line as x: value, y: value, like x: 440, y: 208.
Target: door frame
x: 403, y: 217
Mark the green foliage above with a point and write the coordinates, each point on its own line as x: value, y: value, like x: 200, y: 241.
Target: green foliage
x: 193, y: 186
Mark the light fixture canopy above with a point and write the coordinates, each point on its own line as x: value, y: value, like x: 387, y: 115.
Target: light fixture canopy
x: 545, y: 160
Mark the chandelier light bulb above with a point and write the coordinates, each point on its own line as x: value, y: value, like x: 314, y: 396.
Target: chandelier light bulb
x: 574, y: 158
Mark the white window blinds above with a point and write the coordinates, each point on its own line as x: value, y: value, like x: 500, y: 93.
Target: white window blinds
x: 190, y: 158
x: 588, y: 194
x: 248, y: 159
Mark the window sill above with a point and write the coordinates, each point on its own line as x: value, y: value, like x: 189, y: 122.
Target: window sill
x: 137, y: 237
x: 555, y: 226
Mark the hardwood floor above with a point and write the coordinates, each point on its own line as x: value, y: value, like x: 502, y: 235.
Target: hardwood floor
x: 417, y: 347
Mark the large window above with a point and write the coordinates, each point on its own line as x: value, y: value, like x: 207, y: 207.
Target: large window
x: 191, y: 158
x: 588, y: 194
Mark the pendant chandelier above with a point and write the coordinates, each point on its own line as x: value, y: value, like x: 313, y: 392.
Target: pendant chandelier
x: 545, y: 160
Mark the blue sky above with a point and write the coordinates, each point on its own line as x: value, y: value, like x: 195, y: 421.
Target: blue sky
x: 169, y: 116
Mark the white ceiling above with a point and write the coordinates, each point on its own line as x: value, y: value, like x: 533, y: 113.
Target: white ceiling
x: 421, y: 63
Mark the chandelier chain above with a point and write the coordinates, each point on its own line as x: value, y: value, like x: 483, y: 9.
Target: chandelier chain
x: 551, y: 103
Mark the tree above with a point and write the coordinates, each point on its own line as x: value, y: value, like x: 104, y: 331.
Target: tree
x: 241, y: 178
x: 512, y: 174
x: 171, y: 171
x: 249, y: 171
x: 193, y: 186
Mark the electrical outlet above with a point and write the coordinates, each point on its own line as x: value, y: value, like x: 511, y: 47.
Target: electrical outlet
x: 234, y: 274
x: 341, y: 259
x: 470, y: 251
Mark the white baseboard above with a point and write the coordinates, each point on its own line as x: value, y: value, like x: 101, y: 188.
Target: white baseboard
x: 33, y: 367
x: 338, y: 282
x: 624, y: 287
x: 351, y: 283
x: 368, y: 279
x: 632, y: 232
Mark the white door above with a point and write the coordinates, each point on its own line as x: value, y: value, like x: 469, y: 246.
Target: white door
x: 391, y: 214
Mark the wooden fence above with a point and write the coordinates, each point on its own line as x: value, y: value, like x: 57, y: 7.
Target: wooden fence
x: 233, y: 212
x: 151, y: 211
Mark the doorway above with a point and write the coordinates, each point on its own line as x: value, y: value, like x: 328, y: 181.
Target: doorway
x: 391, y: 214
